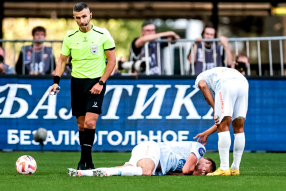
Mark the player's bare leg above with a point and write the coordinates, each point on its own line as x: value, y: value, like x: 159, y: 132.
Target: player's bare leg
x: 147, y: 166
x: 239, y: 143
x: 224, y: 142
x: 80, y: 124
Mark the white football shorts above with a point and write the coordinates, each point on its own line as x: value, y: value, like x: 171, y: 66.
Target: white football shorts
x: 149, y: 149
x: 232, y: 99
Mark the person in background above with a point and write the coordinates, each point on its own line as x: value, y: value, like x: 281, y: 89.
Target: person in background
x: 5, y: 68
x: 68, y: 67
x: 37, y: 58
x: 241, y: 63
x: 205, y: 52
x: 148, y: 33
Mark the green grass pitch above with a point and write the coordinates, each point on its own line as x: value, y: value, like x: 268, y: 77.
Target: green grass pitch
x: 259, y: 171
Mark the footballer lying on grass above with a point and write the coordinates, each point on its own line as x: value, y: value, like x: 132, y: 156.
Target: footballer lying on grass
x: 151, y: 158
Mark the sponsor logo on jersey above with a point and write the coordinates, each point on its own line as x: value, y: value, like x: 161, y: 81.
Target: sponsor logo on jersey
x: 202, y: 151
x: 181, y: 164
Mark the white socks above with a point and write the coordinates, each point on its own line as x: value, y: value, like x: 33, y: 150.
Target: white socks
x: 122, y: 171
x: 238, y: 148
x: 85, y: 173
x: 125, y: 171
x: 224, y: 142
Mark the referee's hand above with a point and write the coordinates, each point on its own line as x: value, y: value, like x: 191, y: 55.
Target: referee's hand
x: 96, y: 89
x: 54, y: 90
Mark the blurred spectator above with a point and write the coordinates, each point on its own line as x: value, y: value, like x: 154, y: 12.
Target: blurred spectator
x: 37, y: 58
x: 68, y: 68
x: 241, y: 63
x: 148, y: 33
x: 116, y: 71
x: 204, y: 60
x: 4, y: 68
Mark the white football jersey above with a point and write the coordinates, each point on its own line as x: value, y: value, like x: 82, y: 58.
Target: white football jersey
x: 215, y: 77
x: 175, y: 154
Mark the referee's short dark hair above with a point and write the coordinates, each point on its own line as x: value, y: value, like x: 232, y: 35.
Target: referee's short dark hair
x: 37, y: 29
x: 147, y: 22
x: 80, y: 6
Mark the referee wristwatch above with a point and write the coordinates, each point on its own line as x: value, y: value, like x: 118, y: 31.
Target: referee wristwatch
x: 101, y: 82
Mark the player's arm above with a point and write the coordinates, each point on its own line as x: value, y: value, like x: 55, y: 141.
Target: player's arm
x: 143, y: 39
x: 60, y: 68
x: 190, y: 165
x: 208, y: 96
x: 207, y: 93
x: 203, y: 137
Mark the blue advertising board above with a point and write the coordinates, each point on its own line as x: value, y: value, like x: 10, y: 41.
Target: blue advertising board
x: 134, y: 110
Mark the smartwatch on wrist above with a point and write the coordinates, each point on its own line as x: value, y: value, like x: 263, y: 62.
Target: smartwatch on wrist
x: 101, y: 82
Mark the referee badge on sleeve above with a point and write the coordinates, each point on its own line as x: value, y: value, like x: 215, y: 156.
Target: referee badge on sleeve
x: 94, y: 49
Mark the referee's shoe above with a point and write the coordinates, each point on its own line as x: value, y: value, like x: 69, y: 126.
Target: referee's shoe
x: 89, y: 167
x: 80, y: 167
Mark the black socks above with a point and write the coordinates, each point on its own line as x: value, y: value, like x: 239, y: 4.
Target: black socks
x: 80, y: 135
x: 86, y: 146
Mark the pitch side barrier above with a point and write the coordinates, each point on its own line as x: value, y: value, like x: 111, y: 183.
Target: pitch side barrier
x: 266, y: 54
x: 162, y: 108
x: 32, y: 52
x: 258, y: 49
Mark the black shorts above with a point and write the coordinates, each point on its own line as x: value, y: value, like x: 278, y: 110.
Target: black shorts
x: 82, y: 100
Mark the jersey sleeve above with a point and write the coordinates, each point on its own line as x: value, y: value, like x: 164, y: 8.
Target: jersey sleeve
x: 199, y: 151
x: 108, y: 43
x: 65, y: 48
x: 199, y: 78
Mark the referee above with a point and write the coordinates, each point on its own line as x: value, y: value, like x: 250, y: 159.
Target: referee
x: 89, y: 47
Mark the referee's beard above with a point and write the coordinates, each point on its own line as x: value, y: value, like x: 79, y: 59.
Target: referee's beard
x: 84, y: 26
